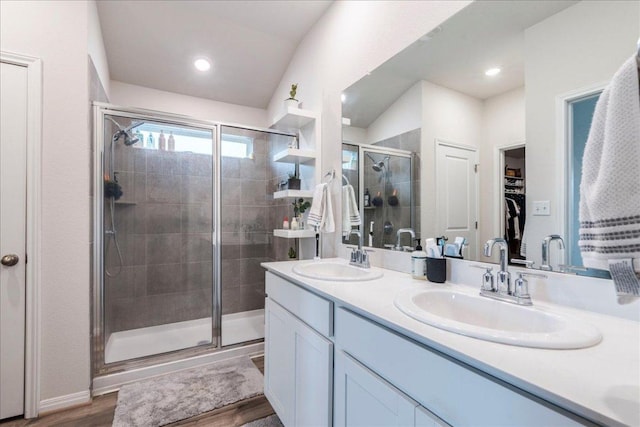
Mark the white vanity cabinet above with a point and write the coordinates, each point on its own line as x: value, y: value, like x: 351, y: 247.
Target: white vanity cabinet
x: 455, y: 393
x: 298, y: 354
x: 364, y: 399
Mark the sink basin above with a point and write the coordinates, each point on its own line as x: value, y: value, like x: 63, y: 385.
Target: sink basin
x: 491, y: 320
x: 336, y: 271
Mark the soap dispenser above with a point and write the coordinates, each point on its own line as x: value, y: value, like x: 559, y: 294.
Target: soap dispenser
x: 419, y: 263
x: 172, y: 142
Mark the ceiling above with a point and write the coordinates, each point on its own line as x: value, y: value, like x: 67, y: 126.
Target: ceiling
x: 483, y: 35
x: 249, y: 43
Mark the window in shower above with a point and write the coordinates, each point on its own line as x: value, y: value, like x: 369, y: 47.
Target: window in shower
x: 157, y: 237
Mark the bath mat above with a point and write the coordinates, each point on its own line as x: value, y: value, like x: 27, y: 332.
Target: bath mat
x: 270, y: 421
x: 177, y: 396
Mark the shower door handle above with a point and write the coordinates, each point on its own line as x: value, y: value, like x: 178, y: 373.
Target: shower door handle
x: 10, y: 260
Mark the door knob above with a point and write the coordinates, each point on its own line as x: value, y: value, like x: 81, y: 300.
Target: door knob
x: 10, y: 260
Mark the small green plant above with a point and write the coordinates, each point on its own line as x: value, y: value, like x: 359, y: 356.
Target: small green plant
x: 300, y: 206
x: 292, y: 92
x: 292, y: 253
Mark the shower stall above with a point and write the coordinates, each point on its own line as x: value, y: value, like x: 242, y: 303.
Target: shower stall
x: 183, y: 214
x: 389, y: 179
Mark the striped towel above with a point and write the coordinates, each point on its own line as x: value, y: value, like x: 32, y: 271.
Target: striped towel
x: 610, y: 187
x: 321, y: 213
x: 350, y: 213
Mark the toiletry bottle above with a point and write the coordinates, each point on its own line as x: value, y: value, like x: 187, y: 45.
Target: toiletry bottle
x: 367, y: 198
x: 294, y: 223
x: 150, y: 143
x: 172, y: 142
x: 285, y: 223
x: 162, y: 141
x: 140, y: 137
x: 419, y: 263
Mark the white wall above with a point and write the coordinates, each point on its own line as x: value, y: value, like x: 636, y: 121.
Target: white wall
x: 96, y: 45
x: 449, y: 116
x: 354, y: 135
x: 503, y: 125
x: 576, y: 48
x: 350, y: 39
x: 127, y: 95
x: 57, y: 32
x: 404, y: 115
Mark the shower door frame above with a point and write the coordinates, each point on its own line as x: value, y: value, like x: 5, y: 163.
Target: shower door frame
x: 391, y: 152
x: 98, y: 367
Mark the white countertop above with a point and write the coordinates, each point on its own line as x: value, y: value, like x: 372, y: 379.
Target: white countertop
x: 600, y: 383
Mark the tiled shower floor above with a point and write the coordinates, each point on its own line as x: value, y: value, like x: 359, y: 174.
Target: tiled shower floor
x: 236, y: 328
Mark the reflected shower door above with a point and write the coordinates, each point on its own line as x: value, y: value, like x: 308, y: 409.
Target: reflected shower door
x: 158, y: 225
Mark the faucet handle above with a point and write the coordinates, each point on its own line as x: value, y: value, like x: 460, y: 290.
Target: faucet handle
x: 487, y: 279
x: 526, y: 263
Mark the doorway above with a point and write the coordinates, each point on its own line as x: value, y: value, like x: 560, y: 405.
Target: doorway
x: 513, y: 201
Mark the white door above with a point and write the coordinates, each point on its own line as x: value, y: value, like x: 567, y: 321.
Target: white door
x: 13, y: 158
x: 363, y: 399
x: 456, y: 195
x: 298, y: 375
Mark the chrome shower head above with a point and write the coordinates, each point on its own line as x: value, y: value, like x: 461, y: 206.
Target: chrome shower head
x: 378, y: 167
x: 129, y: 138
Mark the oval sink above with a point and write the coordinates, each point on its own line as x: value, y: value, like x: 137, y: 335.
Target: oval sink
x: 336, y: 271
x: 491, y: 320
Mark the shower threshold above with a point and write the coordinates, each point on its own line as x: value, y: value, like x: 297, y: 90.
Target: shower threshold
x: 134, y: 343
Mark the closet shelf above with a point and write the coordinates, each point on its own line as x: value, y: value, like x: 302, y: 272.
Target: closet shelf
x: 292, y: 193
x: 294, y: 234
x: 294, y: 155
x: 513, y: 177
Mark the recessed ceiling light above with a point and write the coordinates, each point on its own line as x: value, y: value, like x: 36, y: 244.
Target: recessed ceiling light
x: 343, y: 98
x: 202, y: 64
x: 492, y: 72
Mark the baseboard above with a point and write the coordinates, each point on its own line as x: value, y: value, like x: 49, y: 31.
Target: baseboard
x: 66, y: 401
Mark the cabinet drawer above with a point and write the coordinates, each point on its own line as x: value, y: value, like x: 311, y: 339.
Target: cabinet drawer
x: 315, y: 311
x: 457, y: 394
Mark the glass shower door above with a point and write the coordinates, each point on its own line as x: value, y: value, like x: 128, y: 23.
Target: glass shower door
x: 158, y: 258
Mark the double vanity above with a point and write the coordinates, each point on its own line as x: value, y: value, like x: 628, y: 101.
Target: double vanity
x: 363, y: 347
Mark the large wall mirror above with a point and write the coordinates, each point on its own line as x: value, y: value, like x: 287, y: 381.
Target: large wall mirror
x: 497, y: 153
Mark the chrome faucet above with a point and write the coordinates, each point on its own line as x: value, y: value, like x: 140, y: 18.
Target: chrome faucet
x: 503, y: 291
x: 398, y: 246
x: 504, y: 277
x: 359, y: 256
x: 546, y: 265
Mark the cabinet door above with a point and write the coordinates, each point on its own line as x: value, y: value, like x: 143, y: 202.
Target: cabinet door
x: 364, y: 399
x: 298, y: 369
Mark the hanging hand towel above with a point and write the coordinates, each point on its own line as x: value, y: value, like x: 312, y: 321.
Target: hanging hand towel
x: 350, y: 213
x: 321, y: 213
x: 610, y: 187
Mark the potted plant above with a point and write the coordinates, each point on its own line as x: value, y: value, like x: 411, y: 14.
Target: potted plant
x: 300, y: 206
x: 294, y: 181
x: 291, y: 101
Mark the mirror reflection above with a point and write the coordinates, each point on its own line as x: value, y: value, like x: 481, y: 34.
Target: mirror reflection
x: 502, y: 106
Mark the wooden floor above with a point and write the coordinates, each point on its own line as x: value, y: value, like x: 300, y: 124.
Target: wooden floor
x: 99, y: 413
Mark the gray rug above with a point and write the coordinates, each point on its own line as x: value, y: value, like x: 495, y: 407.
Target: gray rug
x: 270, y: 421
x: 174, y: 397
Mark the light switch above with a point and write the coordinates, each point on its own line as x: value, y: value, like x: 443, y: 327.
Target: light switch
x: 542, y: 208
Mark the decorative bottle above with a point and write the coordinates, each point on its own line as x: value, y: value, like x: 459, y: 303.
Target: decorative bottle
x: 162, y: 141
x: 150, y: 142
x: 172, y: 142
x: 294, y: 223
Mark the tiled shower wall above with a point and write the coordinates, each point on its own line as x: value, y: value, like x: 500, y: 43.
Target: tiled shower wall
x: 164, y: 223
x: 249, y: 214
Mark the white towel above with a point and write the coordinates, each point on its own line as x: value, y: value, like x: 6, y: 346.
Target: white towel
x: 610, y: 187
x: 321, y: 213
x: 350, y: 213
